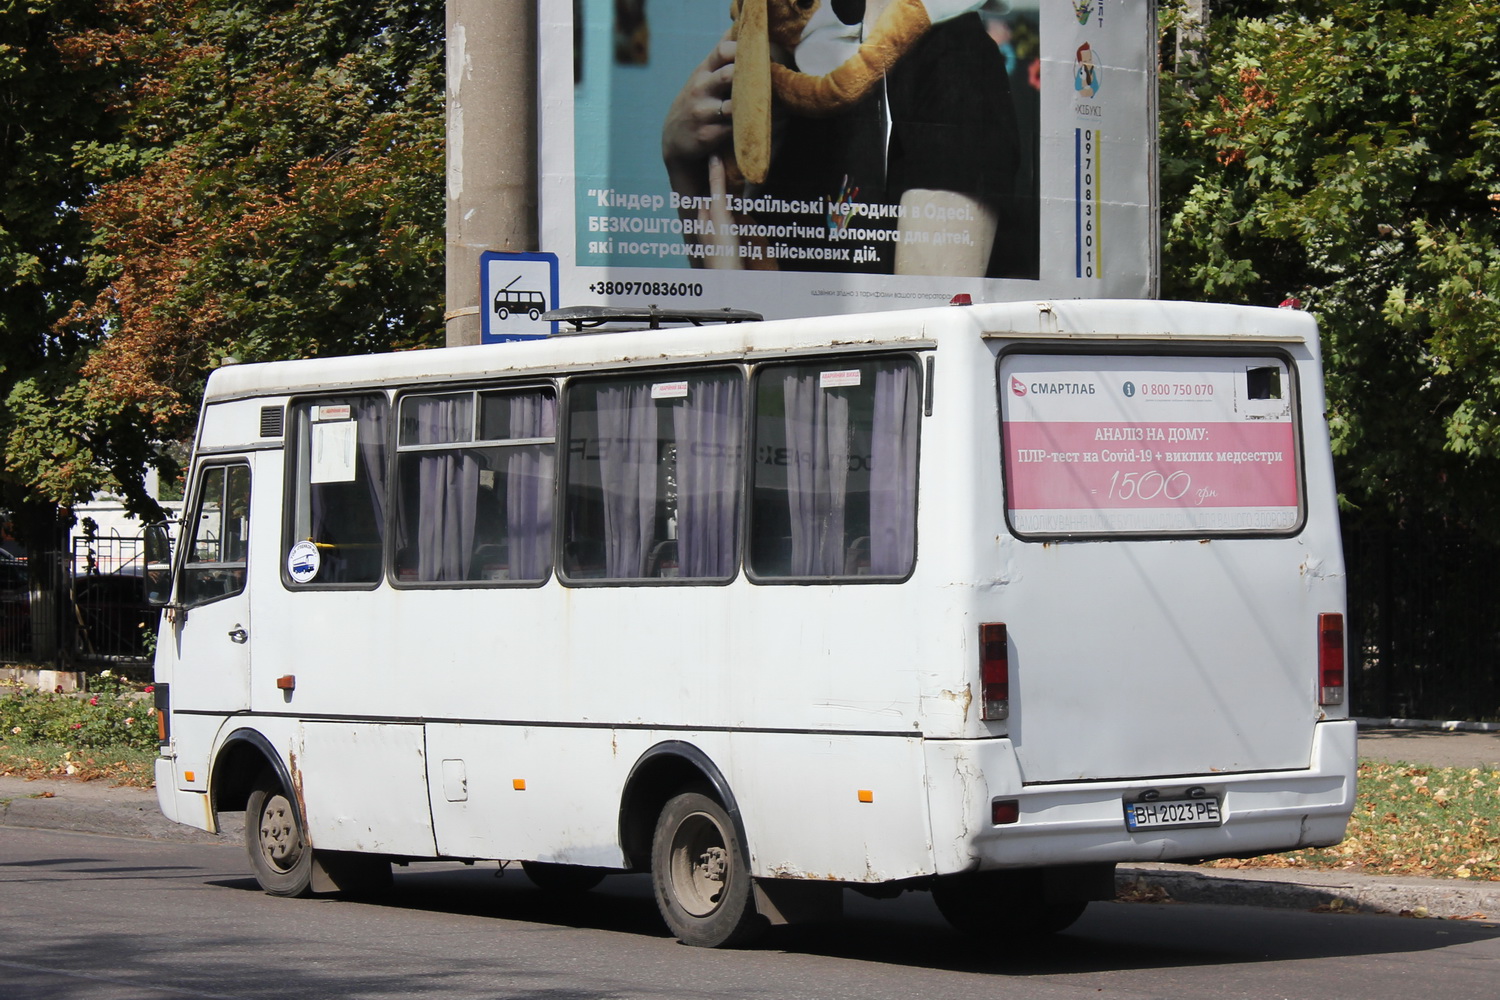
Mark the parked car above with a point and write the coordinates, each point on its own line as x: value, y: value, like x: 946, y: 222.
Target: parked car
x: 112, y: 615
x: 15, y: 608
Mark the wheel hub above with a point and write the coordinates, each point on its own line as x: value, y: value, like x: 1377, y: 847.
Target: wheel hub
x: 712, y: 865
x: 279, y: 841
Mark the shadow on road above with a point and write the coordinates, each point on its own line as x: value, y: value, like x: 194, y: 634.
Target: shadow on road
x: 908, y: 931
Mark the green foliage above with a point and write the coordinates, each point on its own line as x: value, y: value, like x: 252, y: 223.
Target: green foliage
x: 1345, y: 154
x: 110, y: 716
x: 251, y: 178
x: 53, y: 94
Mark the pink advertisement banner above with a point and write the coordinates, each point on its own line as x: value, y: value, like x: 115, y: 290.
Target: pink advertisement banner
x: 1092, y: 465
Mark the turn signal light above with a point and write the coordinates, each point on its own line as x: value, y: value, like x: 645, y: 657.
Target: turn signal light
x: 1330, y: 659
x: 994, y: 672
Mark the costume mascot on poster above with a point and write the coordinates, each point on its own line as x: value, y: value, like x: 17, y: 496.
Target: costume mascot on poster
x: 815, y: 33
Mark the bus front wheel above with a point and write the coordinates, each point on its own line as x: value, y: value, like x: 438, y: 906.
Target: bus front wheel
x: 701, y: 874
x: 274, y: 840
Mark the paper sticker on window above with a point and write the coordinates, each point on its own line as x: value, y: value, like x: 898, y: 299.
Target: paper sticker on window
x: 669, y: 390
x: 334, y: 446
x: 835, y: 380
x: 341, y: 411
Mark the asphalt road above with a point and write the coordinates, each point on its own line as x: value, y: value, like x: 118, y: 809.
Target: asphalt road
x: 111, y: 918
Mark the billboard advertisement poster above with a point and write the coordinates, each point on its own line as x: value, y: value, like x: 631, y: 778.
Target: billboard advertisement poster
x: 1149, y: 445
x: 835, y: 157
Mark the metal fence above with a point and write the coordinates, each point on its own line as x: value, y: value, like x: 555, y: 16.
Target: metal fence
x: 1424, y: 636
x: 77, y: 610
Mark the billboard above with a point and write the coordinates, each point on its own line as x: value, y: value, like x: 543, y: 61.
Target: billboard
x: 834, y: 157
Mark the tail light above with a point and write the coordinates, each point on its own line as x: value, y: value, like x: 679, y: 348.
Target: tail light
x: 1330, y: 659
x: 994, y: 672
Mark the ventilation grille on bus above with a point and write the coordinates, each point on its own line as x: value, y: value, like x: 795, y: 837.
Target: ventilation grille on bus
x: 271, y: 418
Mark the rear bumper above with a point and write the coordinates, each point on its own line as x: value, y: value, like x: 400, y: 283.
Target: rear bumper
x: 1078, y: 823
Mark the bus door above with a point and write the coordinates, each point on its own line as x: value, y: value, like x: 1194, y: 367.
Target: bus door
x: 209, y: 626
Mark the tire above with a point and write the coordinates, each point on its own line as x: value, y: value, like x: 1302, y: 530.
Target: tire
x: 565, y: 879
x: 995, y: 907
x: 274, y: 840
x: 535, y: 314
x: 503, y: 314
x: 701, y: 874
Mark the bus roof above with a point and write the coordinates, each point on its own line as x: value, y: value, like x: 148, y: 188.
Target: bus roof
x: 1077, y: 320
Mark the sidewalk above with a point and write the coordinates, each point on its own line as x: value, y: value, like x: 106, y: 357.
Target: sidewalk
x: 95, y: 807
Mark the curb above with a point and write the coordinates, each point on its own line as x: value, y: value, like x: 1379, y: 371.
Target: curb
x: 113, y: 810
x: 1451, y: 899
x: 1433, y: 724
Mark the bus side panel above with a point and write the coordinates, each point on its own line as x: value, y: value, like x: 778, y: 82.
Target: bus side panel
x: 529, y: 793
x: 824, y: 806
x: 554, y: 793
x: 364, y: 787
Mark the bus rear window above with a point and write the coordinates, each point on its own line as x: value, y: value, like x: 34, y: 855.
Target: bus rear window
x: 1114, y: 445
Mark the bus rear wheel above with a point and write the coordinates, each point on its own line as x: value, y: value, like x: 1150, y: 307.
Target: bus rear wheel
x: 701, y: 874
x: 274, y: 840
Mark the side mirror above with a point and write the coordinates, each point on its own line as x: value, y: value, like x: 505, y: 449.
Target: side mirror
x: 157, y: 580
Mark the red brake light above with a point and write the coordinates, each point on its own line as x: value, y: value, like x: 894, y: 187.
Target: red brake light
x: 1330, y: 659
x: 994, y: 672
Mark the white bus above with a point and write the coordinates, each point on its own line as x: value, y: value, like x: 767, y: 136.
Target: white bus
x: 977, y: 600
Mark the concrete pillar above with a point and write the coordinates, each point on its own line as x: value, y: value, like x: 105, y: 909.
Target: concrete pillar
x: 492, y: 146
x: 1191, y: 31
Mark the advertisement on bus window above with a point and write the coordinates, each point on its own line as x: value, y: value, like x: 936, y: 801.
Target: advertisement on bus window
x: 1130, y: 445
x: 831, y: 157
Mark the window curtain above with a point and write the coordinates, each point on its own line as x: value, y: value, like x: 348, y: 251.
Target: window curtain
x: 817, y: 435
x: 707, y: 427
x: 627, y: 468
x: 448, y: 489
x: 528, y: 487
x: 893, y: 471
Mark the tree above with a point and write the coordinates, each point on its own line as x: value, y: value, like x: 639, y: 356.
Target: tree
x: 272, y: 189
x: 55, y: 93
x: 1344, y: 153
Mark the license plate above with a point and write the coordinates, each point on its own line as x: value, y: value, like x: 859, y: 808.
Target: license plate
x: 1164, y: 813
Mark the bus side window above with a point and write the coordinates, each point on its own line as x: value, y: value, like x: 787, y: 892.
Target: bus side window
x: 653, y: 480
x: 834, y: 489
x: 339, y: 486
x: 215, y: 561
x: 475, y: 486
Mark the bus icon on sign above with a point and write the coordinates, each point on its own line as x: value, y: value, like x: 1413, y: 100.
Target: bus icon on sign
x: 511, y: 300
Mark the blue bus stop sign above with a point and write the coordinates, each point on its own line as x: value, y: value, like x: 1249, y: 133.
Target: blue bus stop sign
x: 515, y: 289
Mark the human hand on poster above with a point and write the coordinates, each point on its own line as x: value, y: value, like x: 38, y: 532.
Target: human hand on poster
x: 947, y: 226
x: 700, y: 121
